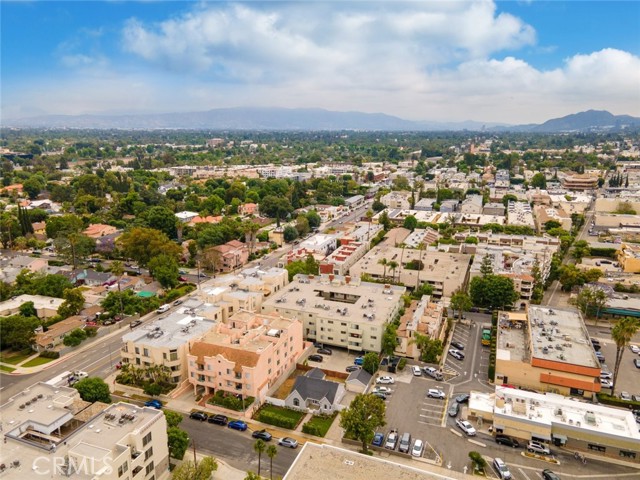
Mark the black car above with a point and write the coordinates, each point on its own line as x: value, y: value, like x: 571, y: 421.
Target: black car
x: 464, y: 398
x: 315, y: 358
x: 549, y: 475
x: 453, y: 409
x: 325, y: 351
x: 457, y: 345
x: 352, y: 368
x: 262, y: 434
x: 135, y: 323
x: 199, y: 416
x: 636, y: 362
x: 508, y: 441
x: 219, y: 419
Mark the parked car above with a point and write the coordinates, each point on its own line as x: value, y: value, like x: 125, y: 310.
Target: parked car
x: 219, y: 419
x: 454, y: 408
x: 108, y: 322
x: 385, y: 380
x: 549, y: 475
x: 466, y: 427
x: 634, y: 348
x: 163, y: 308
x: 378, y: 439
x: 464, y: 398
x: 416, y: 370
x: 153, y: 403
x: 288, y: 442
x: 177, y: 302
x: 352, y: 368
x: 435, y: 393
x: 432, y: 372
x: 385, y: 390
x: 606, y: 383
x: 508, y: 441
x: 237, y: 425
x: 135, y: 323
x: 501, y: 469
x: 418, y: 448
x: 199, y: 416
x: 636, y: 362
x: 457, y: 345
x: 182, y: 279
x: 539, y: 448
x: 457, y: 354
x: 379, y: 395
x: 358, y: 361
x: 262, y: 434
x: 625, y: 396
x: 315, y: 358
x: 392, y: 440
x: 606, y: 375
x: 405, y: 443
x: 325, y: 351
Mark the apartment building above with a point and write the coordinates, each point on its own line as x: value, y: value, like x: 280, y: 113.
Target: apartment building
x: 546, y: 214
x: 320, y: 243
x: 445, y: 272
x: 340, y: 311
x: 231, y: 255
x: 343, y: 258
x: 546, y: 349
x: 425, y: 204
x: 557, y: 420
x: 426, y: 317
x: 247, y: 354
x: 520, y: 213
x: 50, y: 432
x: 166, y: 341
x: 493, y: 208
x: 472, y: 204
x: 362, y: 232
x: 297, y: 254
x: 398, y: 200
x: 421, y: 236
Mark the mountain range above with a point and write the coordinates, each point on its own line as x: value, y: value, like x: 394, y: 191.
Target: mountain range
x: 283, y: 119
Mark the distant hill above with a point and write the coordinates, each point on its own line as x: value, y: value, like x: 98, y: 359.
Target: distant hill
x: 308, y: 119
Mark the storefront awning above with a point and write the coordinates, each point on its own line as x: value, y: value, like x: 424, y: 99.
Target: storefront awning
x: 541, y: 436
x: 497, y: 426
x: 562, y: 438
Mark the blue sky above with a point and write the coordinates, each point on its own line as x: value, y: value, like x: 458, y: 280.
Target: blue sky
x: 515, y: 62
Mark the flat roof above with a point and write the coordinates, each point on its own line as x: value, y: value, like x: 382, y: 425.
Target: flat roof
x: 340, y: 464
x: 39, y: 301
x: 171, y: 331
x: 552, y: 409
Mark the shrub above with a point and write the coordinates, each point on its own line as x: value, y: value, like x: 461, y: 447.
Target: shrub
x: 91, y: 331
x: 49, y: 354
x: 402, y: 363
x: 273, y: 418
x: 311, y: 429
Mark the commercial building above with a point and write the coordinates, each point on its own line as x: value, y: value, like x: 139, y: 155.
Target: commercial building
x: 246, y: 354
x: 561, y: 421
x: 546, y: 349
x: 50, y: 432
x: 355, y: 201
x: 629, y: 258
x: 166, y: 341
x: 445, y: 272
x: 46, y: 307
x: 320, y: 243
x: 339, y: 311
x: 580, y: 182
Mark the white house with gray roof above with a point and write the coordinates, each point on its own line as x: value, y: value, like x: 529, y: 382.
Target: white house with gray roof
x: 313, y: 393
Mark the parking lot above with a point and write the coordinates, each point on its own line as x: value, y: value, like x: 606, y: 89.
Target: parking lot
x: 628, y: 376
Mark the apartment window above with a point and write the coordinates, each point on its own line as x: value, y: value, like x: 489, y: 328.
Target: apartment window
x: 148, y: 454
x: 149, y: 468
x: 329, y: 338
x: 137, y: 361
x: 191, y: 363
x: 122, y: 469
x: 229, y: 383
x: 146, y: 439
x: 137, y: 350
x: 278, y: 362
x: 343, y: 324
x: 597, y: 448
x: 373, y: 338
x: 146, y: 352
x: 269, y: 360
x: 627, y: 454
x: 330, y: 322
x: 269, y: 371
x: 164, y: 355
x: 310, y: 315
x: 247, y: 375
x: 291, y: 339
x: 228, y: 371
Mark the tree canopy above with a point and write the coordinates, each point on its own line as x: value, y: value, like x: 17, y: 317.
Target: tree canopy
x: 93, y: 389
x: 363, y: 417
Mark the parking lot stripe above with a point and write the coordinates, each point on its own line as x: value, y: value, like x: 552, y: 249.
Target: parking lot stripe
x: 455, y: 432
x: 524, y: 474
x: 476, y: 442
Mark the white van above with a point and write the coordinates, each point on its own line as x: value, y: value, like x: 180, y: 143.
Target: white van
x: 416, y: 370
x: 163, y: 308
x: 501, y: 469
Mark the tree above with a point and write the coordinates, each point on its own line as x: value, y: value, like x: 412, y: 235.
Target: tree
x: 290, y: 234
x: 622, y: 333
x: 581, y: 249
x: 393, y: 265
x: 486, y: 267
x: 142, y: 244
x: 538, y: 181
x: 275, y: 206
x: 201, y: 470
x: 178, y: 442
x: 493, y: 291
x: 551, y: 224
x: 384, y: 262
x: 117, y: 269
x: 93, y: 389
x: 410, y: 223
x: 252, y: 476
x: 75, y: 337
x: 259, y: 447
x: 17, y: 332
x: 430, y: 348
x: 73, y: 302
x: 389, y: 339
x: 272, y: 451
x: 385, y: 221
x: 371, y: 362
x: 74, y: 247
x: 63, y: 224
x: 173, y: 418
x: 362, y: 418
x: 28, y: 309
x: 302, y: 225
x: 162, y: 219
x: 165, y: 270
x: 461, y: 302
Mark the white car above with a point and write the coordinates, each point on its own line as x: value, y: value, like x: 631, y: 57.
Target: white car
x: 385, y: 390
x: 625, y: 396
x: 606, y: 375
x: 163, y: 308
x: 606, y: 383
x: 417, y: 449
x: 435, y: 393
x: 539, y: 448
x: 634, y: 348
x: 385, y: 380
x: 457, y: 354
x: 466, y: 427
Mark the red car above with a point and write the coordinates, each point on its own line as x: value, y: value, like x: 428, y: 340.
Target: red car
x: 182, y: 279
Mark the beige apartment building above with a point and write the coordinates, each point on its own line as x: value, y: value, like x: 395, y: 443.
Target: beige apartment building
x: 340, y: 311
x: 547, y: 350
x: 49, y: 432
x: 246, y: 354
x: 425, y: 317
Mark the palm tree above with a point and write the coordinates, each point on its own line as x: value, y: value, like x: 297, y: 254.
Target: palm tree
x: 272, y: 451
x: 250, y: 229
x: 369, y: 216
x: 622, y: 333
x: 117, y: 269
x: 384, y: 263
x: 259, y: 447
x: 393, y: 265
x: 600, y: 301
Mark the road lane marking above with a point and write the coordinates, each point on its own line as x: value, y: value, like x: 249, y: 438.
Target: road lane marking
x: 476, y: 442
x: 455, y: 432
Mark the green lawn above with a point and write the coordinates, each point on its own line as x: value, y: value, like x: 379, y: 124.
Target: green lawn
x: 15, y: 357
x: 37, y: 361
x: 4, y: 368
x: 322, y: 423
x: 285, y: 412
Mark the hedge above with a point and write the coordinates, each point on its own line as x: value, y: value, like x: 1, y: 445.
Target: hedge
x: 602, y: 252
x: 49, y: 354
x: 617, y: 402
x: 273, y: 418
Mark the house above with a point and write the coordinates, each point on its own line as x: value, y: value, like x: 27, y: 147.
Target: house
x: 107, y: 243
x: 54, y: 336
x: 46, y: 307
x: 208, y: 219
x: 248, y: 209
x: 97, y: 230
x: 358, y: 381
x: 186, y: 216
x: 312, y: 392
x: 39, y: 229
x: 90, y: 278
x: 231, y: 255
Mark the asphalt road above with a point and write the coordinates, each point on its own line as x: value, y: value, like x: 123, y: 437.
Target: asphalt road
x: 236, y: 448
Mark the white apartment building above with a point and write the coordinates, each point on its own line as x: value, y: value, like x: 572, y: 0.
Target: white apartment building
x: 340, y: 260
x: 399, y: 200
x: 339, y: 311
x: 49, y: 432
x: 520, y: 213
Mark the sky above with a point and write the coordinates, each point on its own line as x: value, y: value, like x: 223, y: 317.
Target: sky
x: 492, y: 61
